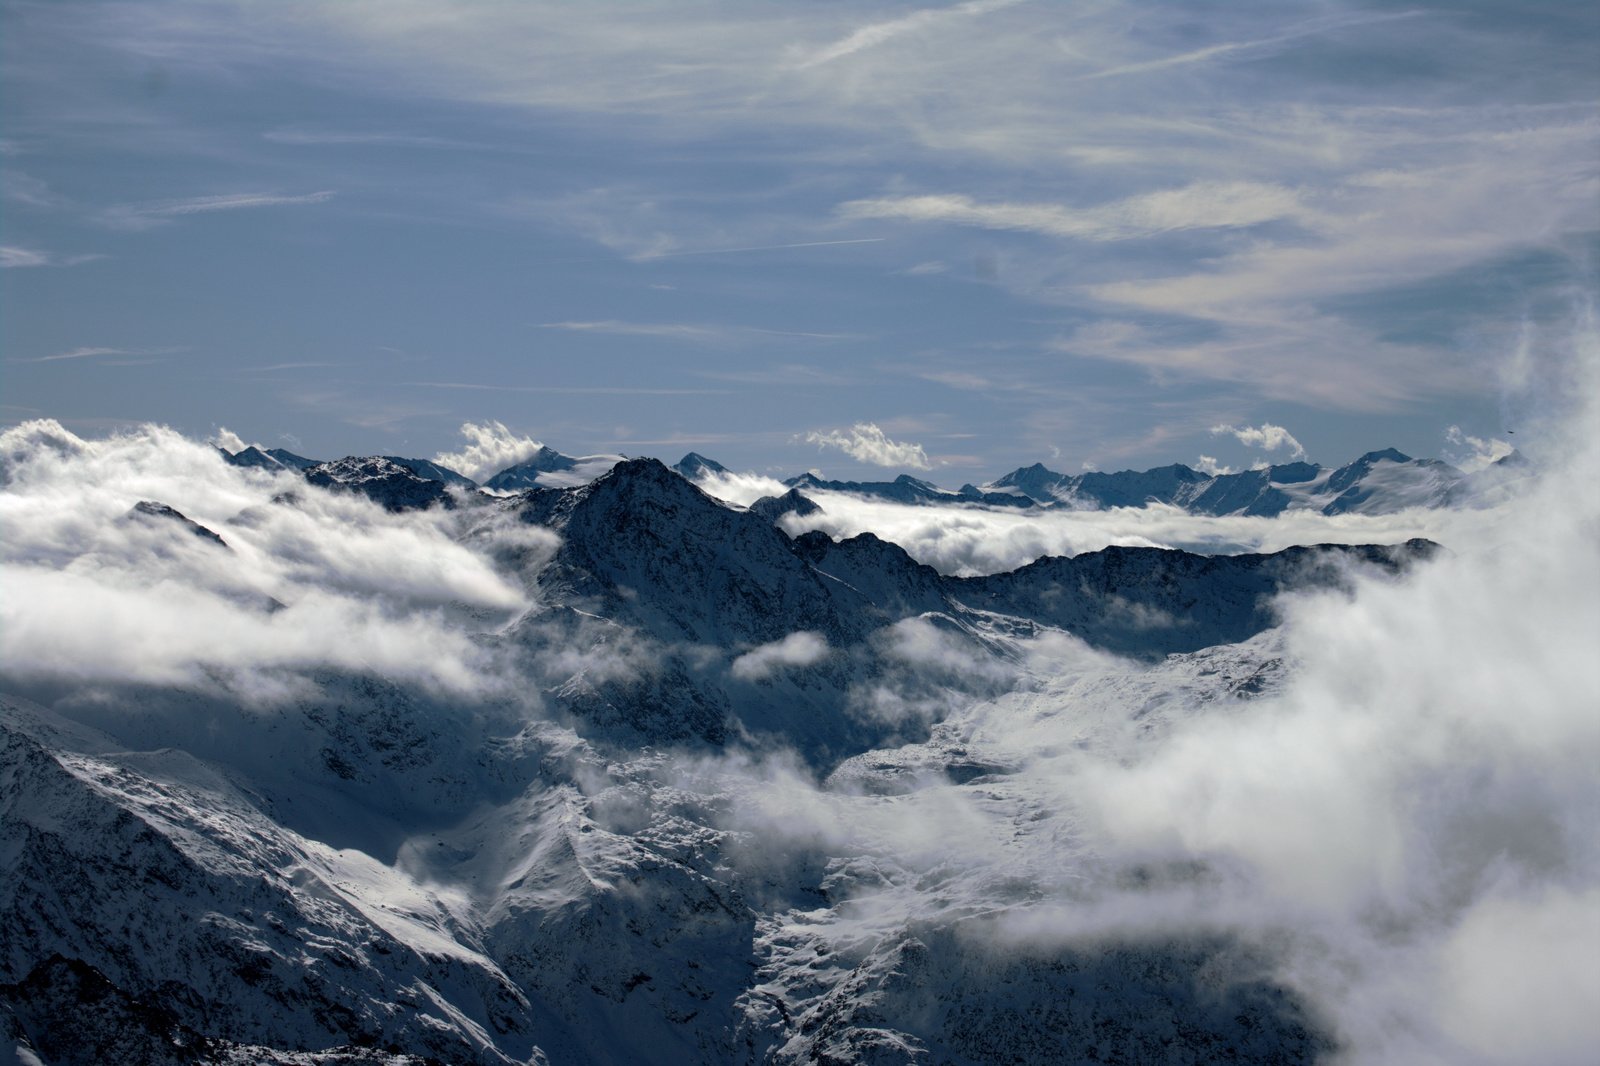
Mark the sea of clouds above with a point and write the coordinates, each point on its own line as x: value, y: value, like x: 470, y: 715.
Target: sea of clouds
x: 1406, y: 828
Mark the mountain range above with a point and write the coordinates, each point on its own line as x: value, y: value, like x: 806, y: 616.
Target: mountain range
x: 363, y: 870
x: 1379, y: 482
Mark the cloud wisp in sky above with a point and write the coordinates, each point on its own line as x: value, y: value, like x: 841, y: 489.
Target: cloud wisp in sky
x: 1201, y: 206
x: 147, y: 216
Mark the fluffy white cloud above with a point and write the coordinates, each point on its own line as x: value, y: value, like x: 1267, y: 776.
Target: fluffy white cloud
x: 1208, y: 465
x: 866, y: 443
x: 1400, y: 830
x: 796, y: 649
x: 308, y: 578
x: 493, y: 447
x: 1478, y: 453
x: 986, y: 540
x: 1265, y: 436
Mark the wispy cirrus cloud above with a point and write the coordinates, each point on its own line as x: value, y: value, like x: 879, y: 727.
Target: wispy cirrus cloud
x: 1243, y: 48
x: 1202, y: 205
x: 87, y: 353
x: 14, y: 256
x: 149, y: 215
x: 682, y: 330
x: 877, y: 33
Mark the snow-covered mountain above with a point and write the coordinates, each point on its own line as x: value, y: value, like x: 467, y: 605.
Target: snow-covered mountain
x: 1380, y: 482
x: 548, y: 468
x: 571, y: 867
x: 907, y: 489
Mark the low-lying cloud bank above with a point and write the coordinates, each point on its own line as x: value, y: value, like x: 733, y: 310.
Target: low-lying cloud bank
x: 303, y: 578
x: 1404, y: 829
x: 968, y: 539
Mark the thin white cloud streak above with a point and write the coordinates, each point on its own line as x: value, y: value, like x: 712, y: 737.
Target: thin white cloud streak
x: 877, y: 33
x: 866, y: 443
x: 145, y: 216
x: 1199, y: 206
x: 682, y: 330
x: 92, y: 595
x: 636, y: 329
x: 1205, y: 55
x: 13, y: 256
x: 80, y: 353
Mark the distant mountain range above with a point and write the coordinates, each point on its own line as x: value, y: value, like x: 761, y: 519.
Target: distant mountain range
x: 1377, y: 483
x: 1380, y: 482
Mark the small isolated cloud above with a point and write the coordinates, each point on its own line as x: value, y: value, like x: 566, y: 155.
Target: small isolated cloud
x: 1265, y: 436
x: 796, y: 649
x: 932, y: 266
x: 1207, y: 465
x: 1479, y: 453
x: 868, y: 444
x: 1201, y: 205
x: 493, y: 448
x: 147, y: 216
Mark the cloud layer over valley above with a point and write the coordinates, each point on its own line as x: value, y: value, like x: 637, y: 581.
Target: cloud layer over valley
x: 1382, y: 808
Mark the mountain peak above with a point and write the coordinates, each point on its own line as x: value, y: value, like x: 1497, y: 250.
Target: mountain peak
x: 152, y: 509
x: 694, y: 465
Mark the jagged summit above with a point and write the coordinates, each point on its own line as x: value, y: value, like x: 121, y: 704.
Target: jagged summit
x: 431, y: 471
x: 773, y: 508
x: 382, y: 480
x: 694, y: 466
x: 271, y: 459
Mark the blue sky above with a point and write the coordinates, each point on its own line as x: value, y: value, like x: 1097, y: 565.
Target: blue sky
x: 1086, y: 234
